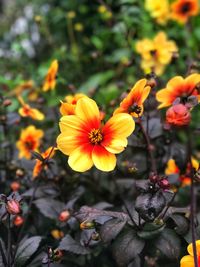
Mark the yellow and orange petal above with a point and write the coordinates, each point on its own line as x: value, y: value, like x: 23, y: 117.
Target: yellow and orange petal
x: 88, y: 142
x: 133, y: 102
x: 171, y: 168
x: 182, y: 10
x: 50, y: 79
x: 188, y: 260
x: 30, y: 139
x: 68, y: 107
x: 27, y: 111
x: 159, y: 10
x: 39, y: 165
x: 178, y: 87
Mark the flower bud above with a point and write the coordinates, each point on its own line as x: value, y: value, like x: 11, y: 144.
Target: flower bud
x: 57, y: 254
x: 164, y: 184
x: 13, y: 207
x: 15, y: 186
x: 64, y: 216
x: 18, y: 220
x: 19, y: 172
x: 153, y: 178
x: 57, y: 234
x: 87, y: 225
x: 7, y: 102
x: 95, y: 236
x: 178, y: 115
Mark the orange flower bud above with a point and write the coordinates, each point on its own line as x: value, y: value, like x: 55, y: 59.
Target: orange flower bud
x: 15, y: 186
x: 64, y: 216
x: 18, y: 220
x: 13, y: 207
x: 87, y: 225
x: 178, y: 115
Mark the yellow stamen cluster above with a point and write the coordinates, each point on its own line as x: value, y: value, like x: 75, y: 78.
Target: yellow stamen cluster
x: 95, y: 136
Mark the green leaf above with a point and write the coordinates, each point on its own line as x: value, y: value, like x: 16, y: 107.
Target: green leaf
x: 126, y: 247
x: 151, y: 230
x: 71, y: 245
x: 26, y: 249
x: 111, y: 229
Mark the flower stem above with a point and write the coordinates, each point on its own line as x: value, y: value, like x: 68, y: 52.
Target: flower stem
x: 9, y: 242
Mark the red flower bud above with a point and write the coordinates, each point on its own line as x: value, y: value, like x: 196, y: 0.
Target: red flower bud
x: 178, y: 115
x: 13, y: 207
x: 164, y: 184
x: 15, y: 186
x: 64, y: 216
x: 18, y: 220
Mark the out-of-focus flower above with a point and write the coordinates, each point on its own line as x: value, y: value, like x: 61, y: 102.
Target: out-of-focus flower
x: 15, y: 186
x: 78, y: 27
x: 30, y: 139
x: 133, y: 102
x: 18, y: 220
x: 13, y: 207
x: 156, y: 53
x: 88, y: 142
x: 64, y: 216
x: 188, y: 260
x: 172, y: 168
x: 27, y: 85
x: 102, y: 9
x: 68, y: 107
x: 38, y: 18
x: 159, y: 10
x: 182, y: 10
x: 178, y: 115
x: 27, y: 111
x: 178, y: 87
x: 87, y: 225
x: 57, y: 234
x: 50, y: 79
x: 71, y: 14
x: 39, y: 165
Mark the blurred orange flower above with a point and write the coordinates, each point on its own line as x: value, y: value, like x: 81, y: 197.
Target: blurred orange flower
x: 68, y: 107
x: 159, y: 10
x: 88, y: 142
x: 188, y: 260
x: 50, y: 79
x: 178, y: 115
x: 27, y: 111
x: 156, y: 53
x: 182, y: 10
x: 57, y: 234
x: 39, y: 165
x: 178, y: 87
x: 133, y: 102
x: 29, y: 140
x: 172, y: 168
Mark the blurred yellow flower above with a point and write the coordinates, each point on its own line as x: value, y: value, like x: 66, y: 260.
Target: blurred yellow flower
x: 57, y: 234
x: 159, y: 10
x: 29, y: 141
x: 39, y: 165
x: 50, y: 79
x: 71, y: 15
x: 88, y: 142
x: 102, y: 9
x: 133, y: 102
x: 78, y: 27
x: 188, y: 260
x: 68, y: 107
x: 182, y: 10
x: 27, y: 111
x: 156, y: 53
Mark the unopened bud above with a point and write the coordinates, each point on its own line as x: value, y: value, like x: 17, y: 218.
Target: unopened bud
x: 13, y: 207
x: 57, y: 254
x: 7, y: 102
x: 87, y: 225
x: 64, y: 216
x: 95, y: 236
x: 18, y: 220
x: 164, y: 184
x: 15, y: 186
x: 19, y: 172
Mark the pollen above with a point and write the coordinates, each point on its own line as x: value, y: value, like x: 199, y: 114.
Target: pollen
x: 95, y: 136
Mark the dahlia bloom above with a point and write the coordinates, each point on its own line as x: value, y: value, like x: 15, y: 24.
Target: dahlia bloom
x: 156, y: 53
x: 50, y: 79
x: 133, y: 102
x: 29, y: 140
x: 178, y: 115
x: 27, y: 111
x: 188, y: 260
x: 182, y: 10
x: 159, y: 10
x: 88, y: 142
x: 178, y: 87
x: 68, y: 107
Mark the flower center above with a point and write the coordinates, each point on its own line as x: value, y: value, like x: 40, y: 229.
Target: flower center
x: 95, y: 136
x: 185, y: 8
x: 135, y: 108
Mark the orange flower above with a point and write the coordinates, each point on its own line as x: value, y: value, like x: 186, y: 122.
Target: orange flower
x: 172, y: 168
x: 39, y: 165
x: 57, y: 234
x: 188, y: 260
x: 183, y: 9
x: 133, y: 102
x: 68, y: 107
x: 29, y: 141
x: 178, y: 115
x: 88, y: 142
x: 27, y: 111
x: 156, y: 53
x: 50, y: 79
x: 178, y: 87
